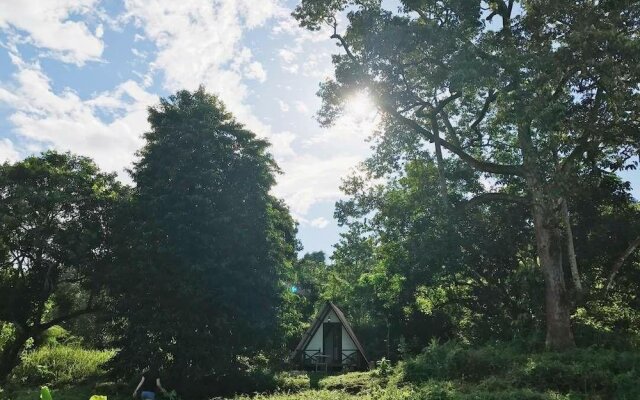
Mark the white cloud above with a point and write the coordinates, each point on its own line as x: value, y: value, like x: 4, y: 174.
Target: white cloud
x: 64, y: 121
x: 99, y: 31
x: 291, y: 68
x: 49, y: 26
x: 313, y: 178
x: 198, y: 41
x: 256, y: 71
x: 281, y: 145
x: 7, y: 151
x: 314, y: 174
x: 287, y: 56
x: 284, y: 107
x: 319, y: 222
x: 301, y: 107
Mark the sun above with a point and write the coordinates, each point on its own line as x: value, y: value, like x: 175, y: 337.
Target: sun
x: 360, y: 105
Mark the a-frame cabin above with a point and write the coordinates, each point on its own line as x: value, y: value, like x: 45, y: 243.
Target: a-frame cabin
x: 330, y: 342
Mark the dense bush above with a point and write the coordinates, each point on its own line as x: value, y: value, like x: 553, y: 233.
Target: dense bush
x: 6, y: 333
x: 308, y: 395
x: 451, y: 371
x: 451, y: 360
x: 355, y: 382
x: 59, y: 365
x: 502, y: 368
x: 292, y: 382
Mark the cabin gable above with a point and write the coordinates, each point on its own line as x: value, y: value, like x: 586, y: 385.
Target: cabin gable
x: 330, y: 340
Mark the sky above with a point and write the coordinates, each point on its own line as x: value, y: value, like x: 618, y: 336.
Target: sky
x: 79, y: 75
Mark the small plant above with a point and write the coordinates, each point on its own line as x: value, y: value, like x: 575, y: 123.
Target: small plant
x: 384, y: 368
x: 45, y: 394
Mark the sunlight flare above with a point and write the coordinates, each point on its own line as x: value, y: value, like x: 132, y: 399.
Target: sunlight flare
x: 360, y: 105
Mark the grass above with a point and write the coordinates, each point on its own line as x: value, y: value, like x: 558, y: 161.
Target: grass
x: 81, y: 392
x: 450, y: 371
x: 60, y: 365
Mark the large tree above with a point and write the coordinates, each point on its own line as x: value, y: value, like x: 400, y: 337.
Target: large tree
x: 206, y: 246
x: 525, y: 92
x: 55, y: 223
x: 409, y: 268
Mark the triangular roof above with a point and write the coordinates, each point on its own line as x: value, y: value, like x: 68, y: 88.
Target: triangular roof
x: 329, y: 306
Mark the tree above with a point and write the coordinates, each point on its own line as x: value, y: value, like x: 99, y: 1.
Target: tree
x: 206, y: 247
x: 525, y: 92
x: 55, y: 222
x: 434, y: 270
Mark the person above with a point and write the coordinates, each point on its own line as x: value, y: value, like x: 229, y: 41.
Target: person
x: 149, y: 385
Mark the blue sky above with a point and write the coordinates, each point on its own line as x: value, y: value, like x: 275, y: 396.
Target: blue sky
x: 79, y: 74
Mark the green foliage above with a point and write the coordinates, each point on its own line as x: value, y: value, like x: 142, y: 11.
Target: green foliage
x: 45, y: 394
x: 354, y: 382
x: 7, y: 333
x: 384, y: 368
x: 513, y: 97
x: 443, y: 372
x: 56, y: 215
x: 309, y: 395
x: 76, y: 392
x: 292, y: 382
x: 587, y: 372
x: 60, y: 365
x: 205, y: 252
x: 54, y: 336
x: 454, y: 361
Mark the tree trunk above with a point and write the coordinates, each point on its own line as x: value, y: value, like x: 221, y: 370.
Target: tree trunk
x: 571, y: 252
x: 10, y: 355
x: 549, y: 247
x: 548, y: 228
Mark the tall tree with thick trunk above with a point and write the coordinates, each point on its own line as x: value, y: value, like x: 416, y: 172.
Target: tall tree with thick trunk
x: 526, y: 91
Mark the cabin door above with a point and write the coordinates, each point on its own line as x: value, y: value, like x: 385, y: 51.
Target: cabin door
x: 333, y: 342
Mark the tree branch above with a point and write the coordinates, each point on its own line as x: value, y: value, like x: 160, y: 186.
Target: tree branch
x: 64, y: 318
x: 491, y: 97
x: 583, y: 141
x: 452, y: 131
x: 621, y: 259
x: 343, y: 43
x: 493, y: 197
x: 563, y: 81
x: 484, y: 166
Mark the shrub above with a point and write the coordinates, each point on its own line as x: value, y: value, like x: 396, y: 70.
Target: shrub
x: 496, y: 369
x: 292, y: 382
x: 6, y: 333
x: 586, y: 371
x: 60, y: 365
x: 626, y: 385
x: 353, y: 382
x: 309, y: 395
x: 452, y: 360
x: 54, y: 336
x: 384, y: 368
